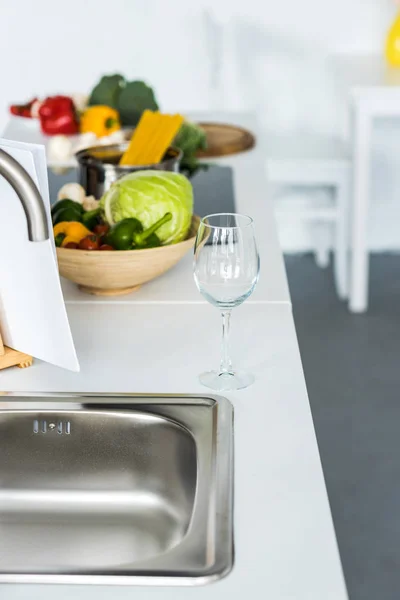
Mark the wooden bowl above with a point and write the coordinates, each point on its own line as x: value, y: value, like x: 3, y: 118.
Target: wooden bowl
x: 111, y: 273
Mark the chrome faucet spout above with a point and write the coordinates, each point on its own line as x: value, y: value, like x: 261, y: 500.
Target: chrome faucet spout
x: 27, y: 192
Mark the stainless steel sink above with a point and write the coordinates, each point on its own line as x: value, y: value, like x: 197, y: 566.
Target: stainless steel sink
x: 115, y: 489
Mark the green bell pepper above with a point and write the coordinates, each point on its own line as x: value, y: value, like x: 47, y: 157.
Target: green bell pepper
x: 142, y: 239
x: 91, y: 218
x: 66, y: 203
x: 128, y: 234
x: 66, y: 214
x: 120, y: 235
x: 153, y: 241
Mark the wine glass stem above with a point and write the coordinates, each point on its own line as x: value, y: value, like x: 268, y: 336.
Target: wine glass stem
x: 226, y: 364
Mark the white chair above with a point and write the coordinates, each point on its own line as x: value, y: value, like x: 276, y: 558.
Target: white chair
x: 287, y: 82
x: 321, y: 166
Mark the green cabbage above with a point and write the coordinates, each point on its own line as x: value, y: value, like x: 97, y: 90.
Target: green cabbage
x: 147, y: 196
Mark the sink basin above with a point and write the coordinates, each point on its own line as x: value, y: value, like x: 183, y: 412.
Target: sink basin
x: 115, y: 489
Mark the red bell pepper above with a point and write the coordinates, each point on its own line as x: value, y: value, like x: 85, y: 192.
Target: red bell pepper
x: 23, y: 110
x: 58, y: 116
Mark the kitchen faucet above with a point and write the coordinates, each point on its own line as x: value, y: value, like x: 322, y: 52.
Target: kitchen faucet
x: 27, y: 192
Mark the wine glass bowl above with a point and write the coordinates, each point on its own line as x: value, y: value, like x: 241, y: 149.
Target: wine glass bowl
x: 226, y: 270
x: 226, y: 259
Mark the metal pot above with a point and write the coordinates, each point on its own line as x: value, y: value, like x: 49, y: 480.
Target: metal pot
x: 99, y: 166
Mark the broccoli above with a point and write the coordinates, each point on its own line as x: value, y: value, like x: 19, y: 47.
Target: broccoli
x: 190, y: 138
x: 129, y: 98
x: 107, y: 91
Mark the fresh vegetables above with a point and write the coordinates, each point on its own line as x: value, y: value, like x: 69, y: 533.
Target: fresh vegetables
x: 90, y: 203
x: 120, y: 235
x: 133, y: 100
x: 148, y: 196
x: 129, y: 234
x: 100, y: 120
x: 73, y: 191
x: 58, y: 116
x: 31, y: 109
x: 92, y: 218
x: 89, y: 242
x: 74, y: 205
x: 23, y: 110
x: 190, y: 138
x: 70, y: 210
x: 59, y: 238
x: 130, y: 99
x: 66, y: 210
x: 60, y: 148
x: 142, y: 210
x: 73, y: 229
x: 66, y: 203
x: 113, y: 103
x: 66, y: 232
x: 107, y: 91
x: 67, y: 214
x: 101, y: 229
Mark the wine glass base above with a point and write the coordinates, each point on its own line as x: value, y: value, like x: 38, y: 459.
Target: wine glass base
x: 226, y: 381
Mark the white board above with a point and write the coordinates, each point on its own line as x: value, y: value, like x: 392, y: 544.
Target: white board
x: 33, y: 317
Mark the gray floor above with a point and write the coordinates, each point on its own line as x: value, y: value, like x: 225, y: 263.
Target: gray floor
x: 352, y: 367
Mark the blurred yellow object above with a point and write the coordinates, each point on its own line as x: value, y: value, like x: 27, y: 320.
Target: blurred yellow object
x: 151, y: 138
x: 100, y: 120
x: 393, y: 44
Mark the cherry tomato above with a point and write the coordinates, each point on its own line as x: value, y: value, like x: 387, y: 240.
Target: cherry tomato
x: 90, y: 242
x: 71, y: 245
x: 106, y: 247
x: 101, y: 229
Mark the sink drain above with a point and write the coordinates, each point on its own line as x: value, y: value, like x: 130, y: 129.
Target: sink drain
x: 45, y: 426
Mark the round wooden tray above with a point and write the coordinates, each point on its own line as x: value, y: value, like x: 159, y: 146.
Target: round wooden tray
x: 223, y: 139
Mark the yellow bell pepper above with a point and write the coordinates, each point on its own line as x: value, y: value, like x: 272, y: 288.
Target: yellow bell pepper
x: 72, y: 228
x: 68, y: 239
x: 73, y: 231
x: 100, y: 120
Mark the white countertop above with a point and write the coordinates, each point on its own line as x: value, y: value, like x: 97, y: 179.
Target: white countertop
x: 284, y: 539
x: 158, y: 342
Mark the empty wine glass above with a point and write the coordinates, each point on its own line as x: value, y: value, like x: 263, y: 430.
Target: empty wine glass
x: 226, y: 269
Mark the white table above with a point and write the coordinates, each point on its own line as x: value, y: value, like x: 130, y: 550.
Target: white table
x: 374, y: 90
x: 157, y: 341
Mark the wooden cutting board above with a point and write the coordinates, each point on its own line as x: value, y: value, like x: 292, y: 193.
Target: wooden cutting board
x: 223, y: 139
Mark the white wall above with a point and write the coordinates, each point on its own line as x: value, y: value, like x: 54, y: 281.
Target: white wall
x: 48, y: 46
x: 266, y: 55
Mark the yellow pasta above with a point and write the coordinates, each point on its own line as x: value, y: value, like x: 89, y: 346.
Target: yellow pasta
x: 150, y: 144
x: 151, y: 138
x: 131, y: 153
x: 169, y: 133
